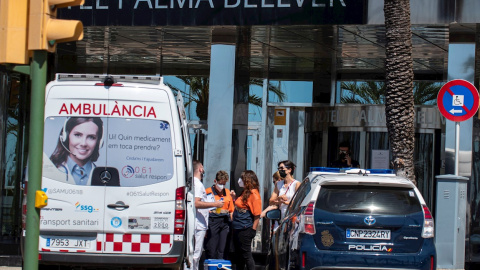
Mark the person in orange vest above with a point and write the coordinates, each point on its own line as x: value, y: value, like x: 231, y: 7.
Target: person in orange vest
x: 219, y: 220
x: 248, y: 207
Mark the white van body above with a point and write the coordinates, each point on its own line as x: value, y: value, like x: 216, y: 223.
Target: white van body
x: 136, y: 205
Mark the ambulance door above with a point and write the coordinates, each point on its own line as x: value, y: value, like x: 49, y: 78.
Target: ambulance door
x: 73, y: 136
x: 141, y: 171
x: 190, y: 220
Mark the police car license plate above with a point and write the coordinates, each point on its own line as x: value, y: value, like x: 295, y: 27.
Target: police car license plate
x: 67, y: 243
x: 368, y: 234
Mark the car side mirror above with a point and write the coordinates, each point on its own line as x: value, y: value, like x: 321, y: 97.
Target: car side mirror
x: 274, y: 214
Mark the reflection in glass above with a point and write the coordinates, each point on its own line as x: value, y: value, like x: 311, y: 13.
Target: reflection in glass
x: 13, y: 159
x: 195, y: 91
x: 376, y: 141
x: 373, y: 92
x: 423, y: 162
x: 294, y: 91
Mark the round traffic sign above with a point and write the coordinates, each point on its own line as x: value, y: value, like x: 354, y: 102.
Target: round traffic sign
x: 458, y: 100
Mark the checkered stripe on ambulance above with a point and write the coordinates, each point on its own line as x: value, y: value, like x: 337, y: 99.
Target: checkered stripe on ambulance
x: 114, y: 170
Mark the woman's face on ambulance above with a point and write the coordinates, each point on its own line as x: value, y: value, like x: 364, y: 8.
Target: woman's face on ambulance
x: 82, y: 142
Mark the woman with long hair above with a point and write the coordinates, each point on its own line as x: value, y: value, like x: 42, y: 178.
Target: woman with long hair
x: 248, y: 207
x: 77, y: 148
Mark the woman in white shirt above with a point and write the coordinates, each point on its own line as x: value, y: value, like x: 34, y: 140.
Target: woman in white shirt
x: 284, y: 189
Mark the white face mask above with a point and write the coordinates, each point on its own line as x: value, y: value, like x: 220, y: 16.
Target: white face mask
x: 220, y: 187
x: 240, y: 182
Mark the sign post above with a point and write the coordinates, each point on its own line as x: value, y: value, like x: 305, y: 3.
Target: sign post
x: 458, y: 101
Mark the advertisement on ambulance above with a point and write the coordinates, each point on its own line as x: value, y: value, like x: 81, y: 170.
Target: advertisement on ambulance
x: 75, y: 146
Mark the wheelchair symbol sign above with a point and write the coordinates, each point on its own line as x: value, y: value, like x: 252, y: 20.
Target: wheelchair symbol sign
x: 458, y: 100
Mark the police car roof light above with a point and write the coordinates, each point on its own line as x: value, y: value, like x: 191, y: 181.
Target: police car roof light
x: 325, y: 169
x: 381, y: 171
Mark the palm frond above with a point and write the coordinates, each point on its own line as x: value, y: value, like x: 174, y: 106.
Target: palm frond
x: 372, y: 92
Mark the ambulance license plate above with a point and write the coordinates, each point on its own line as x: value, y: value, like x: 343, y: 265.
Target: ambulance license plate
x: 67, y: 243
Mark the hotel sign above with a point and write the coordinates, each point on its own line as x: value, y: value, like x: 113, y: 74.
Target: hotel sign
x: 367, y: 117
x: 216, y: 12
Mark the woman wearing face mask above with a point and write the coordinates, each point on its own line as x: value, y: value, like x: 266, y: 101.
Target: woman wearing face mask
x: 219, y: 218
x: 284, y: 189
x: 246, y: 216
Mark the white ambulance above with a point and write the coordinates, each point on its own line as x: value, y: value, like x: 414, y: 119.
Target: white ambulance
x: 117, y: 169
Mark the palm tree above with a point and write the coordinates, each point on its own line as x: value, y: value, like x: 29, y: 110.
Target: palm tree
x: 399, y: 101
x: 424, y: 93
x: 199, y: 93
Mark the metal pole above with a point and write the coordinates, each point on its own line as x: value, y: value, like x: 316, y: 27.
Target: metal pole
x: 35, y: 154
x: 457, y: 145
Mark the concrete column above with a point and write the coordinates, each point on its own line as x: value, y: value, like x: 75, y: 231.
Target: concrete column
x: 240, y: 103
x: 324, y: 69
x: 218, y: 155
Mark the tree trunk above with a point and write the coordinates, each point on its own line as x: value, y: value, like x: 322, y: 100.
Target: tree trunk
x: 399, y: 106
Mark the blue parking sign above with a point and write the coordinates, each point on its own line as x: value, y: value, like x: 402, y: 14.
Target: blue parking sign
x: 458, y: 100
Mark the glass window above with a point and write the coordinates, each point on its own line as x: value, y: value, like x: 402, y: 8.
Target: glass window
x: 423, y: 162
x: 249, y: 151
x: 351, y: 138
x: 195, y: 94
x: 314, y: 141
x: 373, y: 92
x: 377, y: 141
x: 14, y: 113
x: 368, y: 199
x: 291, y: 91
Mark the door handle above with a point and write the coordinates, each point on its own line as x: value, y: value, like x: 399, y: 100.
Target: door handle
x: 118, y: 205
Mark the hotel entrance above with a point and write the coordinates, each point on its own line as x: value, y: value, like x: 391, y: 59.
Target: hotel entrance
x: 363, y: 128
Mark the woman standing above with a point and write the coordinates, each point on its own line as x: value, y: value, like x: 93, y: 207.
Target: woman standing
x: 284, y: 189
x: 246, y: 216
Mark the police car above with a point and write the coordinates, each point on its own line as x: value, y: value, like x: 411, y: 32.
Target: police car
x: 354, y: 219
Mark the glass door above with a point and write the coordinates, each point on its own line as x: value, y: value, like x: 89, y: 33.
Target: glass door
x: 372, y: 149
x: 423, y: 157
